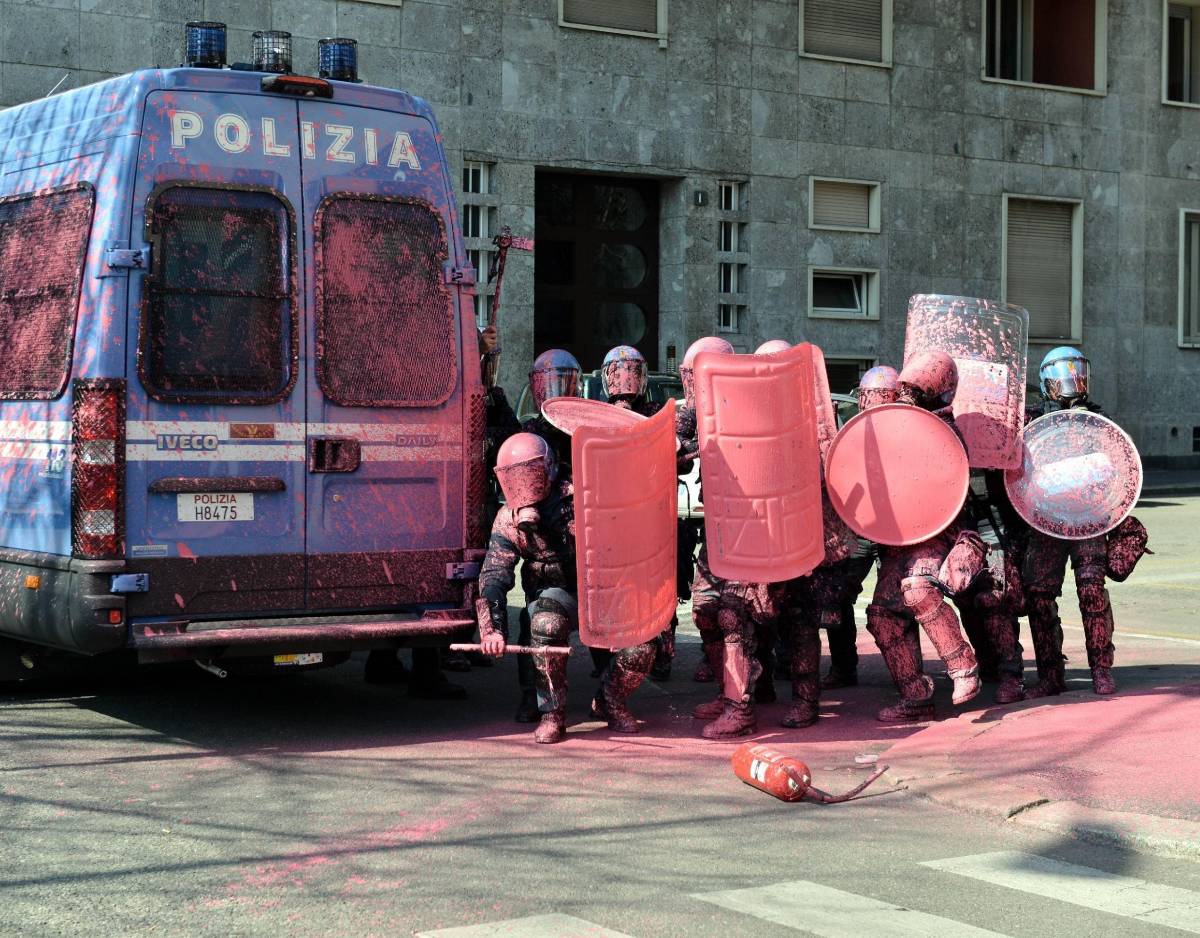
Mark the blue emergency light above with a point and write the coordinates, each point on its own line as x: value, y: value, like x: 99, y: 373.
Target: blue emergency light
x: 205, y: 45
x: 338, y: 59
x: 273, y: 51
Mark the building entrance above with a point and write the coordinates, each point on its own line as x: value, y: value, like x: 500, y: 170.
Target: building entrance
x: 596, y: 266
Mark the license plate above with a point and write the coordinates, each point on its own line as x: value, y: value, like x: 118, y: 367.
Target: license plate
x: 216, y: 506
x: 286, y: 660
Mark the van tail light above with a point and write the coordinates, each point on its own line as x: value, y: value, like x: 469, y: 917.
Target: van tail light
x: 97, y: 468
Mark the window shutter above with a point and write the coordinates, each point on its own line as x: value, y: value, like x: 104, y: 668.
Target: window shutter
x: 639, y: 16
x: 1039, y: 264
x: 847, y: 29
x: 841, y: 204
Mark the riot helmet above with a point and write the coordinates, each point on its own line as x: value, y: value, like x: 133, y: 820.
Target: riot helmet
x: 1064, y: 376
x: 623, y: 373
x: 709, y: 343
x: 880, y: 385
x: 526, y: 468
x: 555, y: 373
x: 773, y: 347
x: 929, y: 380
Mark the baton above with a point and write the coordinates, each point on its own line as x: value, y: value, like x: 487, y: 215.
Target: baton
x: 516, y: 649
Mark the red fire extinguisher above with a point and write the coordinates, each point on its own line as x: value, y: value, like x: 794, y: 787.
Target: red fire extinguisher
x: 786, y: 778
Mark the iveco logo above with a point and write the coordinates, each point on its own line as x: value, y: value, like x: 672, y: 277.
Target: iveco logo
x: 417, y: 439
x: 187, y: 441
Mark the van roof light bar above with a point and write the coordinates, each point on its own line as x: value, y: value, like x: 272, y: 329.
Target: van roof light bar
x: 205, y: 44
x: 337, y: 58
x: 302, y: 86
x: 273, y: 51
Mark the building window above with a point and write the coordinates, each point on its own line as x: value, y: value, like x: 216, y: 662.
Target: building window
x: 1181, y: 46
x: 845, y: 373
x: 847, y: 30
x: 1196, y: 439
x: 631, y: 17
x: 1189, y: 279
x: 1060, y: 44
x: 1042, y: 264
x: 843, y: 205
x: 479, y: 206
x: 843, y: 293
x: 733, y: 255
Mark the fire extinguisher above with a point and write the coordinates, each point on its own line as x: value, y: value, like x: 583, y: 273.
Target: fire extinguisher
x: 786, y: 778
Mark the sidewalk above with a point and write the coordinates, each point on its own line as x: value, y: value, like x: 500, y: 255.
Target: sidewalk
x: 1123, y: 769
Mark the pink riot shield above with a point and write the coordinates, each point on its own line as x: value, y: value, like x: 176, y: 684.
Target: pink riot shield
x: 570, y: 413
x: 760, y: 464
x: 823, y: 402
x: 625, y: 539
x: 989, y: 343
x: 897, y: 475
x: 1080, y: 475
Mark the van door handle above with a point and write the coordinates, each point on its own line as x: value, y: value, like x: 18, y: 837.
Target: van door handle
x: 333, y: 454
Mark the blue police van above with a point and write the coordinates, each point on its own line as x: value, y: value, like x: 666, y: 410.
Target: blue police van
x: 240, y: 402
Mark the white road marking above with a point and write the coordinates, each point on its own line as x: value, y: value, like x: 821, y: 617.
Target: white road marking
x: 1121, y: 633
x: 1125, y: 896
x: 832, y: 913
x: 534, y: 926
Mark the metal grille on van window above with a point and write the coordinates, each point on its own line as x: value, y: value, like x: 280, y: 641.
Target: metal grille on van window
x: 385, y: 322
x: 43, y: 244
x: 220, y: 295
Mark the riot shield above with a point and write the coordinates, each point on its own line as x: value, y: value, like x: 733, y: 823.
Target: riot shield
x: 570, y: 413
x: 760, y: 464
x: 625, y: 539
x: 822, y: 402
x: 897, y: 475
x: 1080, y: 475
x: 989, y: 343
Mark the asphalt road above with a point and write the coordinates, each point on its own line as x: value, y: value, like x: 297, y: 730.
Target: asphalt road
x: 171, y: 802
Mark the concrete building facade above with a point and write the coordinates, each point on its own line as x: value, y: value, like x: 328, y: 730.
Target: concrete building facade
x: 736, y: 168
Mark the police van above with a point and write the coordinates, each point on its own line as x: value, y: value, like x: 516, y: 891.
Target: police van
x: 240, y: 400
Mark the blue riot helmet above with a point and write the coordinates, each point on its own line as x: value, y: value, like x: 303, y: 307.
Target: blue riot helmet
x: 1064, y: 376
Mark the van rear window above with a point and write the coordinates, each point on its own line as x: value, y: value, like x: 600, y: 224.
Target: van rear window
x: 43, y: 245
x: 218, y: 323
x: 385, y: 322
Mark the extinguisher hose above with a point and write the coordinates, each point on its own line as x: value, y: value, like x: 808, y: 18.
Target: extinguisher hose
x: 817, y: 795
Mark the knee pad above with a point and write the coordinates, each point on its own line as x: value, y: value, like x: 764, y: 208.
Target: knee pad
x: 731, y: 623
x: 704, y: 617
x: 1093, y: 597
x: 637, y: 659
x: 1041, y: 605
x: 921, y: 597
x: 550, y: 628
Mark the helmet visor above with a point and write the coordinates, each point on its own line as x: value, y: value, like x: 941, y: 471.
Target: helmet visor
x: 553, y: 382
x: 525, y: 483
x: 1065, y: 379
x: 624, y: 378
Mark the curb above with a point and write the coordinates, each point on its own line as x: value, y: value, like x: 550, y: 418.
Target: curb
x: 934, y: 776
x: 1167, y: 490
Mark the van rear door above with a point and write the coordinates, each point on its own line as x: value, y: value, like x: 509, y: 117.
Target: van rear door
x: 215, y: 458
x: 385, y: 401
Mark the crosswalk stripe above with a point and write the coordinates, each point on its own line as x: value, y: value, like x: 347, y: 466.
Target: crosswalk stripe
x: 831, y: 913
x: 533, y: 926
x: 1081, y: 885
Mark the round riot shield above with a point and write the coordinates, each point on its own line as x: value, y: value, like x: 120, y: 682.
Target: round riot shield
x: 1079, y: 477
x: 570, y: 413
x: 897, y: 475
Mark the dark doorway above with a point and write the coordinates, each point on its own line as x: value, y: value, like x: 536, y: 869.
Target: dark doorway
x: 596, y: 266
